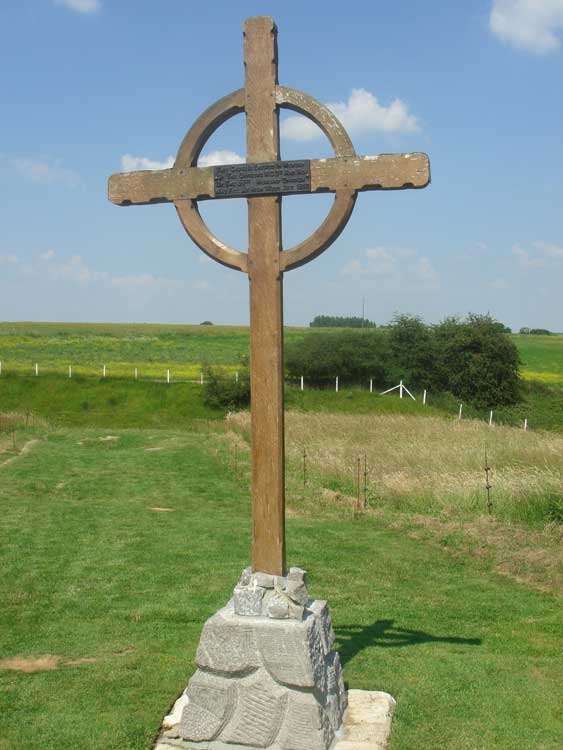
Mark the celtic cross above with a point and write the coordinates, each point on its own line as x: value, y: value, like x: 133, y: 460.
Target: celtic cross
x: 263, y: 180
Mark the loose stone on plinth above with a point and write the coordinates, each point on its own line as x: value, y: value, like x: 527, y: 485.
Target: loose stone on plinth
x: 267, y: 676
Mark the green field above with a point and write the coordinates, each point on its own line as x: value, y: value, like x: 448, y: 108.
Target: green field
x: 153, y: 348
x: 126, y: 522
x: 116, y: 546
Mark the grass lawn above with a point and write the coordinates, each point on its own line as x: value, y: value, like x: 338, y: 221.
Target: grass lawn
x: 111, y: 591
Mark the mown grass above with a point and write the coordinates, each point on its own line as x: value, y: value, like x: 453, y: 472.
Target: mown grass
x: 105, y: 402
x: 94, y: 575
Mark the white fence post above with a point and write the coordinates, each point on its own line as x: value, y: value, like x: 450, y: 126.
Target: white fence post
x: 36, y: 369
x: 236, y: 376
x: 336, y: 384
x: 104, y: 371
x: 201, y: 377
x: 70, y: 371
x: 400, y: 389
x: 0, y: 368
x: 168, y: 376
x: 526, y: 423
x: 460, y: 410
x: 302, y: 382
x: 424, y: 398
x: 371, y: 385
x: 136, y: 374
x: 491, y: 418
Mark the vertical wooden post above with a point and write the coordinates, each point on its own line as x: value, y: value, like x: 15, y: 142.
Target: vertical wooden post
x: 401, y: 389
x: 70, y: 371
x: 491, y: 418
x: 302, y: 382
x: 526, y: 423
x: 168, y: 376
x: 424, y: 398
x: 336, y: 384
x: 266, y: 304
x: 36, y: 368
x: 371, y: 385
x: 460, y: 410
x: 104, y: 371
x: 136, y: 373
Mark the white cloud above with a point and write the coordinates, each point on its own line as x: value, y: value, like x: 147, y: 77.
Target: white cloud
x: 141, y: 281
x: 131, y: 163
x: 216, y: 158
x: 139, y: 163
x: 46, y: 171
x: 81, y: 6
x: 533, y: 25
x: 550, y: 249
x: 362, y: 113
x: 75, y: 269
x: 8, y: 260
x: 425, y: 270
x: 397, y: 265
x: 499, y: 284
x: 540, y: 255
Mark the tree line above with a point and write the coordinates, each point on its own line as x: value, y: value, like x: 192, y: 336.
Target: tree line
x: 473, y: 358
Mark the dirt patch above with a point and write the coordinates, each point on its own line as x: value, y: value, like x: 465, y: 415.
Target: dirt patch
x: 83, y: 660
x: 163, y: 510
x: 25, y: 449
x: 109, y: 437
x: 30, y: 664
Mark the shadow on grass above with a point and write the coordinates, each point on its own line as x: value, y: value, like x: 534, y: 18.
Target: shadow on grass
x: 351, y: 639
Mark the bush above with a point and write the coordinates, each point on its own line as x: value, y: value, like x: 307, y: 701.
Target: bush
x: 413, y: 352
x: 352, y: 355
x: 221, y: 389
x: 477, y: 361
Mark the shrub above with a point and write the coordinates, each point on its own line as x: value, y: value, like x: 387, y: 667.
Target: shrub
x: 221, y: 388
x: 477, y: 361
x: 352, y: 355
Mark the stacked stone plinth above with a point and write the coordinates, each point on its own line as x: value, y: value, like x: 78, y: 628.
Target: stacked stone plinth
x: 267, y: 675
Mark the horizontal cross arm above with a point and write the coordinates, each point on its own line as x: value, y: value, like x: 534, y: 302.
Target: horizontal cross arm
x: 162, y: 186
x: 383, y: 172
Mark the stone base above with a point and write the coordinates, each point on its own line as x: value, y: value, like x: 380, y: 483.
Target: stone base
x: 367, y: 722
x: 267, y: 675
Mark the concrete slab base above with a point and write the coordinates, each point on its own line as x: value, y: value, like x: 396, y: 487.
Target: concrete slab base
x: 367, y: 722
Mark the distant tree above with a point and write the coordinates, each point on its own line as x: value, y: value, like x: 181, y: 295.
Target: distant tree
x: 352, y: 355
x: 540, y: 332
x: 339, y: 321
x: 524, y: 330
x: 477, y: 361
x: 206, y: 323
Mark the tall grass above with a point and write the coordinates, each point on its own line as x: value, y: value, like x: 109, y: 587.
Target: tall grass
x: 431, y: 465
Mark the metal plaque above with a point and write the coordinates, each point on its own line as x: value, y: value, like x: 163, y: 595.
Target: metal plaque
x: 265, y: 178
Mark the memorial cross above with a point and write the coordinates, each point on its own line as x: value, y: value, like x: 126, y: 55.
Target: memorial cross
x: 263, y: 180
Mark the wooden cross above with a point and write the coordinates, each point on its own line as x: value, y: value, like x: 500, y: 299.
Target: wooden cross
x: 263, y: 180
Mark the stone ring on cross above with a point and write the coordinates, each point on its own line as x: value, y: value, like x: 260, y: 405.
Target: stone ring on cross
x: 185, y: 183
x: 263, y: 180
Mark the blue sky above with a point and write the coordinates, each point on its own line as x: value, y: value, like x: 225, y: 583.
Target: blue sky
x: 92, y: 87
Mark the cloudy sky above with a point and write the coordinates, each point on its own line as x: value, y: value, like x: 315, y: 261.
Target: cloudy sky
x: 92, y: 87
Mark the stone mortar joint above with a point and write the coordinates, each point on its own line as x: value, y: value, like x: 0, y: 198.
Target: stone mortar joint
x: 278, y: 597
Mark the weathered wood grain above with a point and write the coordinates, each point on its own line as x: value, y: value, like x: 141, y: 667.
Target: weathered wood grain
x: 266, y: 306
